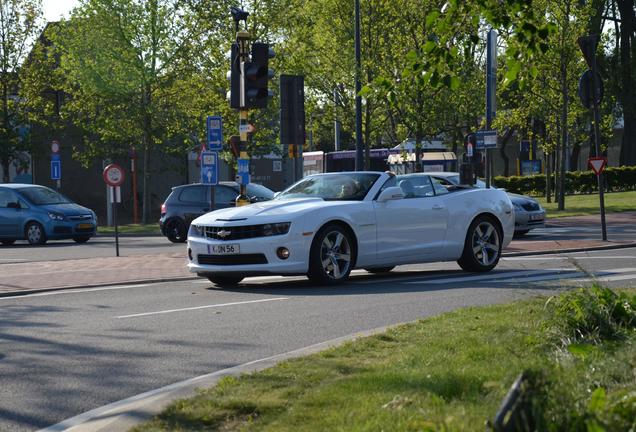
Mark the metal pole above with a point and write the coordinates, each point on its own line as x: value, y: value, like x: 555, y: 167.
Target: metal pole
x: 336, y: 125
x: 133, y: 174
x: 597, y: 140
x: 359, y: 158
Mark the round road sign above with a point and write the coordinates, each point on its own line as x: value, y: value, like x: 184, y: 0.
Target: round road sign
x: 55, y: 146
x: 113, y: 175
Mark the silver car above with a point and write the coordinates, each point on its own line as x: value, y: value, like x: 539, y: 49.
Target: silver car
x: 528, y: 212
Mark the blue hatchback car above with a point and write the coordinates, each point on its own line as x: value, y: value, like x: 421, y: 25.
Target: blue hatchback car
x: 37, y: 214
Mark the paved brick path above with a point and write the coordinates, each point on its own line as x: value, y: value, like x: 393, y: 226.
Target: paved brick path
x: 45, y: 275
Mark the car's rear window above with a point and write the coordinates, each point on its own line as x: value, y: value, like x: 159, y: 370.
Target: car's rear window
x: 42, y: 195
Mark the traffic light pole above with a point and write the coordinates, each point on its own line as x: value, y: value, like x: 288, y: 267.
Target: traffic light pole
x: 242, y: 39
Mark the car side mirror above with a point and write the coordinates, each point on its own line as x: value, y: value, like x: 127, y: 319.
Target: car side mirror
x: 391, y: 193
x: 15, y: 205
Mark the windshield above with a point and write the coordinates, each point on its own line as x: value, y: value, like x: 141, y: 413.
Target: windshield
x: 455, y: 180
x: 43, y: 195
x: 332, y: 187
x: 258, y: 191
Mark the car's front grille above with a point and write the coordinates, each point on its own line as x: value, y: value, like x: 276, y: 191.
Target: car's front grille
x: 239, y: 259
x: 62, y: 230
x: 530, y: 206
x: 245, y: 232
x: 80, y: 217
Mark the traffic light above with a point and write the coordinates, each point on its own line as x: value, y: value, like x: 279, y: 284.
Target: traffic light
x: 235, y: 145
x: 234, y: 76
x: 257, y: 76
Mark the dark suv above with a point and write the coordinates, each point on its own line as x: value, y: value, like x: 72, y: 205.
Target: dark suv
x: 187, y: 202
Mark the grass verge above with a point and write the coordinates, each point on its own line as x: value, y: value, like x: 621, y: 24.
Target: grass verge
x: 582, y: 205
x: 130, y: 229
x: 449, y: 372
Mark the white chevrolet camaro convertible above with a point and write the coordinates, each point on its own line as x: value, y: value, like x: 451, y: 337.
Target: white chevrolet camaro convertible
x: 325, y: 225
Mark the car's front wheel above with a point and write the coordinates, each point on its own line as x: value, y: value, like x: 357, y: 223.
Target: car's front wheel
x: 7, y: 242
x: 225, y: 281
x: 34, y: 233
x: 176, y: 231
x: 482, y: 248
x: 331, y: 256
x: 81, y: 239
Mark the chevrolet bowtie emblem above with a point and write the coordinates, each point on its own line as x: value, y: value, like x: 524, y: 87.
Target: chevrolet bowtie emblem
x: 223, y: 233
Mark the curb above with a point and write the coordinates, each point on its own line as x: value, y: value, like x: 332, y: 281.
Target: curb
x: 129, y: 412
x: 570, y: 250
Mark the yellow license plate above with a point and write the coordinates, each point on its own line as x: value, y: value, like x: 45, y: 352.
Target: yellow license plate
x: 84, y: 226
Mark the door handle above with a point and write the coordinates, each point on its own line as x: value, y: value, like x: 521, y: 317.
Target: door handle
x: 438, y: 207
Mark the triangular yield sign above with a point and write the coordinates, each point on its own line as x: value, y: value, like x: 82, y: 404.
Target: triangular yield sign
x: 597, y: 165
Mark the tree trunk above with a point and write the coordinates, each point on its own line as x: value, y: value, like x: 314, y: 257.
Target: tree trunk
x: 564, y: 133
x: 627, y: 95
x: 548, y: 178
x: 502, y: 150
x: 574, y: 157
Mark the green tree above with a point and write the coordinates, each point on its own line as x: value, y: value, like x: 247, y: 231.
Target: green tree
x: 131, y: 73
x: 20, y: 22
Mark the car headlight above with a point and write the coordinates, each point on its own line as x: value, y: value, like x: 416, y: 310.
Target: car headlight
x: 56, y: 216
x: 276, y: 228
x: 196, y: 231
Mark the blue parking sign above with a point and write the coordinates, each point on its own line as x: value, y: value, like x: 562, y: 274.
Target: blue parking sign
x: 215, y: 133
x: 243, y: 172
x: 209, y: 167
x: 56, y: 169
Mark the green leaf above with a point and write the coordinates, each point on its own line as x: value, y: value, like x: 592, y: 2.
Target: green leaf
x: 580, y: 350
x: 513, y: 69
x: 431, y: 18
x: 598, y: 400
x: 429, y: 46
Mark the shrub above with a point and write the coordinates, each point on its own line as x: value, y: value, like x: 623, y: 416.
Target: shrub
x: 577, y: 182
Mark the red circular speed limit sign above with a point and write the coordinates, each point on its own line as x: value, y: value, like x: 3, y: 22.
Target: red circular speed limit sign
x: 113, y: 175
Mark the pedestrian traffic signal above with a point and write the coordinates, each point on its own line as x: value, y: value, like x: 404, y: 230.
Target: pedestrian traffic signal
x: 234, y: 76
x: 257, y: 76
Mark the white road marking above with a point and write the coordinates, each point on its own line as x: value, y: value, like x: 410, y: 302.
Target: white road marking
x: 598, y: 275
x: 563, y: 257
x: 74, y: 291
x: 13, y: 259
x: 489, y: 276
x: 607, y: 278
x: 202, y: 307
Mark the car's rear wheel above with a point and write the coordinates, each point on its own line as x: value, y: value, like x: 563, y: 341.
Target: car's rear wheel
x: 34, y: 233
x: 482, y: 248
x: 380, y: 269
x: 521, y: 233
x: 331, y: 256
x: 225, y: 281
x: 81, y: 239
x: 7, y: 242
x: 176, y: 231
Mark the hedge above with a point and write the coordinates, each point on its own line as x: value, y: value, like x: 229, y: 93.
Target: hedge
x: 577, y: 182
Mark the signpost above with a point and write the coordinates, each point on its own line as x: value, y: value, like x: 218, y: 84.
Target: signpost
x: 56, y: 164
x: 210, y: 172
x: 215, y: 133
x: 486, y: 139
x: 491, y: 97
x: 594, y: 95
x: 114, y: 176
x: 243, y: 172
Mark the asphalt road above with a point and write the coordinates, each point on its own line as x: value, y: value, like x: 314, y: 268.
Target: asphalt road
x: 103, y: 246
x: 66, y: 352
x: 100, y: 246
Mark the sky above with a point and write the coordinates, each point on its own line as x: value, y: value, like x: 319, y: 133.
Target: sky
x: 55, y: 9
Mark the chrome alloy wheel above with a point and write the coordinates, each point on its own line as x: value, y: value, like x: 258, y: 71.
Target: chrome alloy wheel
x: 485, y: 243
x: 335, y: 255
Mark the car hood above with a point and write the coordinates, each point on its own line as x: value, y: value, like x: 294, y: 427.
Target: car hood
x: 275, y: 209
x: 67, y: 209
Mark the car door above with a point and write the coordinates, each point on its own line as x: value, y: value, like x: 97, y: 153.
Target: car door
x: 194, y: 201
x: 224, y: 197
x: 10, y: 216
x: 410, y: 227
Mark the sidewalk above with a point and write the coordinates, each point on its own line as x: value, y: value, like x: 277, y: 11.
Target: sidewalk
x: 22, y: 278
